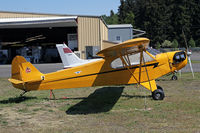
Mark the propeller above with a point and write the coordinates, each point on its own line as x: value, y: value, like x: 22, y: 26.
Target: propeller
x: 189, y: 53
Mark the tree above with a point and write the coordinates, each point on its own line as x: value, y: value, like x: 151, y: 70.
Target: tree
x: 174, y: 43
x: 163, y: 19
x: 129, y: 18
x: 166, y: 44
x: 112, y: 19
x: 192, y: 43
x: 195, y: 13
x: 122, y: 12
x: 158, y: 45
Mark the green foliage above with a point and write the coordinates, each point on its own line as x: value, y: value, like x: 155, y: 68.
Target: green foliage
x: 129, y: 18
x: 158, y: 45
x: 192, y: 43
x: 163, y: 20
x: 122, y: 11
x: 166, y: 44
x: 112, y: 19
x: 175, y: 44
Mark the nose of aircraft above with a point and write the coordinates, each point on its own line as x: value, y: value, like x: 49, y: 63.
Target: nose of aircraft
x: 179, y: 57
x: 179, y: 60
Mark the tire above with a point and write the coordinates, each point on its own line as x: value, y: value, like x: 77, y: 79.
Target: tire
x: 174, y: 77
x: 160, y: 88
x: 158, y: 94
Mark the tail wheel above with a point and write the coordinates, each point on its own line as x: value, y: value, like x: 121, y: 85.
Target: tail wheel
x: 158, y: 94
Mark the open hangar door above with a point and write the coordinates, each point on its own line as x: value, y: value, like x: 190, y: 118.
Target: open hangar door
x: 36, y: 39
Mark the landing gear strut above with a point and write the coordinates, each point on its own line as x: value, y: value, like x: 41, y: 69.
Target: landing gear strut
x: 174, y: 77
x: 22, y: 94
x: 158, y: 94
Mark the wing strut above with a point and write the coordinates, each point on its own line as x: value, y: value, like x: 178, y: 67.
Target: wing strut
x: 141, y: 59
x: 147, y: 73
x: 127, y: 65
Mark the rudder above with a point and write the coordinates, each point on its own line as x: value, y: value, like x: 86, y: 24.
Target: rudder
x: 16, y: 65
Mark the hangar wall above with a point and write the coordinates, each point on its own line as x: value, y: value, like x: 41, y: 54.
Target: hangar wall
x: 91, y: 32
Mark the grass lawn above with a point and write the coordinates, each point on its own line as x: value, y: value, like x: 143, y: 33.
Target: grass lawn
x: 114, y: 109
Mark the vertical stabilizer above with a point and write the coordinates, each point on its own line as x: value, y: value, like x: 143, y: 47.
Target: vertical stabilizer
x: 67, y: 56
x: 23, y: 71
x: 16, y: 67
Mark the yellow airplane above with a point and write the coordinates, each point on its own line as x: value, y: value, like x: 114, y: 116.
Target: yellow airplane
x: 130, y: 62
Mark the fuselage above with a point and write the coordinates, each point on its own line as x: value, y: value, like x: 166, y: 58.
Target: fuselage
x: 101, y: 72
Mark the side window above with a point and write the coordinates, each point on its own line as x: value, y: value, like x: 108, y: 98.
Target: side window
x: 117, y: 63
x: 134, y: 59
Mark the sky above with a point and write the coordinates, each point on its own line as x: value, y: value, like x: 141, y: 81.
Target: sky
x: 76, y: 7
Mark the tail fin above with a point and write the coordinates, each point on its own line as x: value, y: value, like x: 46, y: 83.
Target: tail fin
x: 67, y: 56
x: 23, y: 71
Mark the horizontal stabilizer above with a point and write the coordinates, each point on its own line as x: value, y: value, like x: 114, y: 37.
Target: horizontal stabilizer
x: 15, y: 81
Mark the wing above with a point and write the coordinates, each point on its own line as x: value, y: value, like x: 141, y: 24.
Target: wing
x: 129, y: 53
x: 132, y: 46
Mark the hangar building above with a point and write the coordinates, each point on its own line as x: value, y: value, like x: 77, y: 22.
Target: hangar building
x: 34, y: 34
x: 120, y: 32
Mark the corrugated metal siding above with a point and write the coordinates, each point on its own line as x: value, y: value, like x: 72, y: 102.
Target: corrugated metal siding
x: 91, y: 32
x: 22, y: 15
x: 104, y: 31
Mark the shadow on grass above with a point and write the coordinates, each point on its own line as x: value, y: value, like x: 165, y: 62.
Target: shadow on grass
x: 16, y: 100
x: 102, y: 100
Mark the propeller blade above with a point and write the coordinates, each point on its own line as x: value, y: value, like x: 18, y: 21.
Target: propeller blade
x: 188, y: 53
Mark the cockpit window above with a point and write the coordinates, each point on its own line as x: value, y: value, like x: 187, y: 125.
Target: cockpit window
x: 133, y: 58
x: 152, y: 51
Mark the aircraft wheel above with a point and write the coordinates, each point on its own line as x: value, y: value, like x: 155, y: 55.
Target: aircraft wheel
x: 174, y: 77
x: 158, y: 94
x: 160, y: 88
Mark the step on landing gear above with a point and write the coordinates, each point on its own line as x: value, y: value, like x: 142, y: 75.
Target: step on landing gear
x: 158, y: 94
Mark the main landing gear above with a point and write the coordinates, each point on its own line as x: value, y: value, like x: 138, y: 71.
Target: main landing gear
x: 174, y: 77
x: 158, y: 94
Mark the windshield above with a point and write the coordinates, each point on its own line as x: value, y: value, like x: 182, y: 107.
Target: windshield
x: 152, y: 51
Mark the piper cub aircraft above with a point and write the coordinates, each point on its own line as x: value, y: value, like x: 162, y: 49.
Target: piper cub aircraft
x: 130, y: 62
